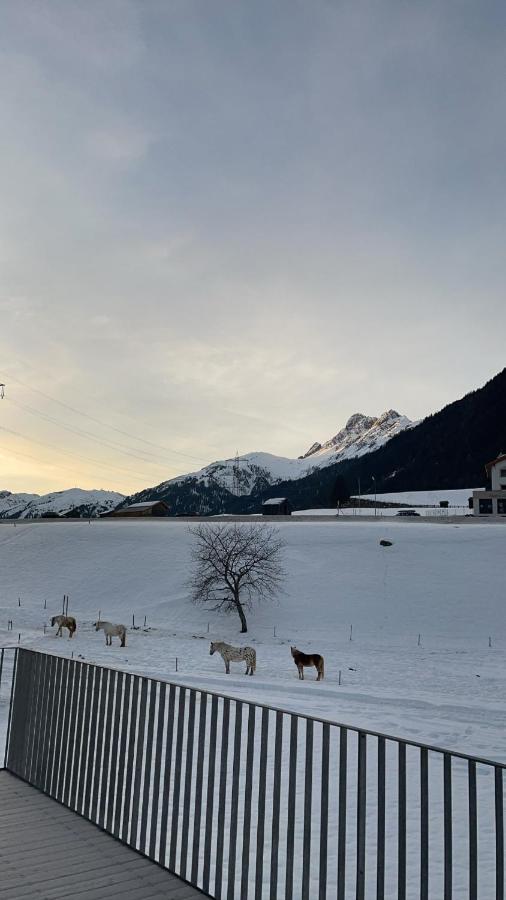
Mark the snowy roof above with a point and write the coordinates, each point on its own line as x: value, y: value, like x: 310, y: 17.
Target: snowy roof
x: 146, y: 505
x: 274, y: 501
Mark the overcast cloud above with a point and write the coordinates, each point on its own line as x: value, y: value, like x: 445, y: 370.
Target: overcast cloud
x: 229, y: 226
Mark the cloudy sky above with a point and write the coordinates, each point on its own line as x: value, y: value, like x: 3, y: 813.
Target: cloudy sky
x: 230, y: 225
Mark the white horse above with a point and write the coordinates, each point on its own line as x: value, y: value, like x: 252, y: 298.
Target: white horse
x: 235, y: 654
x: 111, y: 631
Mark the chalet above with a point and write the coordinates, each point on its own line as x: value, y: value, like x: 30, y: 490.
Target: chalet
x: 138, y: 510
x: 276, y: 506
x: 492, y: 502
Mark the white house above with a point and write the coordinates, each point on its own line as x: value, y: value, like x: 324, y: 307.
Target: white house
x: 492, y: 502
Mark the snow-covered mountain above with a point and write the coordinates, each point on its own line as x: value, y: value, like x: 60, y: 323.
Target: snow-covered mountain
x: 71, y: 502
x: 255, y: 472
x: 361, y: 434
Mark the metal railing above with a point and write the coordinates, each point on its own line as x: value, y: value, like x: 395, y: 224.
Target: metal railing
x: 248, y: 802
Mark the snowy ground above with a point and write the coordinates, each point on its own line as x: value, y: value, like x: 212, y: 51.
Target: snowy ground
x: 418, y: 666
x: 443, y: 582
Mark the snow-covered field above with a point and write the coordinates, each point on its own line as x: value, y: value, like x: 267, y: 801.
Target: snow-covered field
x: 419, y: 664
x: 442, y: 582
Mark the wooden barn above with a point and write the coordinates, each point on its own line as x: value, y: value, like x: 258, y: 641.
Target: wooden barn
x: 276, y: 506
x: 138, y: 510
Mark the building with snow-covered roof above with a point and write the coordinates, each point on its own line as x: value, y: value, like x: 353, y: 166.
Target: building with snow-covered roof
x: 147, y: 508
x: 492, y: 502
x: 276, y: 506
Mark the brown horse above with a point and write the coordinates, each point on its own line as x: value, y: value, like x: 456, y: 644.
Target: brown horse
x: 305, y: 659
x: 64, y: 622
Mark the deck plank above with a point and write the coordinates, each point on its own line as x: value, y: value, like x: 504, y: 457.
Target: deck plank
x: 48, y: 852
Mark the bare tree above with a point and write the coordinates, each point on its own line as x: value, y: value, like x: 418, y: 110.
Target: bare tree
x: 234, y: 565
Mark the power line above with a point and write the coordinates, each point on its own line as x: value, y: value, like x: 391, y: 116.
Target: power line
x: 56, y: 449
x: 80, y: 412
x: 80, y: 432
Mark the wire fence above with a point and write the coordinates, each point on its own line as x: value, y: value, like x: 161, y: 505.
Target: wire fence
x: 250, y: 802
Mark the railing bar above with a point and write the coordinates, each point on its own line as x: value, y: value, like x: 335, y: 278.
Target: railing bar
x: 139, y: 764
x: 60, y: 696
x: 262, y: 781
x: 34, y: 714
x: 71, y: 731
x: 106, y: 795
x: 324, y: 812
x: 52, y: 664
x: 157, y: 773
x: 148, y: 768
x: 308, y: 798
x: 292, y: 784
x: 55, y: 744
x: 473, y: 832
x: 199, y: 780
x: 210, y: 795
x: 380, y: 838
x: 120, y: 781
x: 8, y: 737
x: 222, y: 795
x: 43, y: 721
x: 424, y: 824
x: 91, y: 765
x: 177, y: 778
x: 499, y: 836
x: 361, y: 813
x: 99, y: 746
x: 190, y: 734
x: 1, y: 667
x: 447, y: 804
x: 39, y: 731
x: 85, y: 750
x: 276, y: 805
x: 246, y: 832
x: 41, y: 758
x: 130, y: 759
x: 30, y: 715
x: 401, y: 823
x: 18, y: 721
x: 341, y: 833
x: 167, y: 775
x: 234, y: 803
x: 75, y: 696
x: 76, y: 763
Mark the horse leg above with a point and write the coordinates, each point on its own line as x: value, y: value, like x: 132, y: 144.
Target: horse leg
x: 227, y: 667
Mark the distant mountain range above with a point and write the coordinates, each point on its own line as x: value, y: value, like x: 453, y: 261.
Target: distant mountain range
x: 446, y: 450
x: 385, y: 453
x: 74, y: 502
x: 229, y: 482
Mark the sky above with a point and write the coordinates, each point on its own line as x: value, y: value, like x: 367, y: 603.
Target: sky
x: 228, y: 226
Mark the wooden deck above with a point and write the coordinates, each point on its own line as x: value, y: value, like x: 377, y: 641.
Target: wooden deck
x: 50, y: 853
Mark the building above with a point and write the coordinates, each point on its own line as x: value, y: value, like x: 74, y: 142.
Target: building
x: 137, y: 510
x: 492, y: 502
x: 276, y: 506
